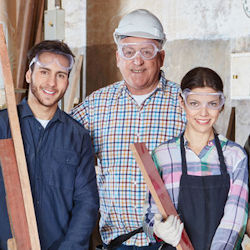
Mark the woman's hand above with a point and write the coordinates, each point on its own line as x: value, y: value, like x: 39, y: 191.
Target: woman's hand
x: 168, y: 230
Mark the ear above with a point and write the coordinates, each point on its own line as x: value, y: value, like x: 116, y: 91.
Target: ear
x: 181, y: 101
x: 162, y: 57
x: 117, y: 58
x: 28, y: 76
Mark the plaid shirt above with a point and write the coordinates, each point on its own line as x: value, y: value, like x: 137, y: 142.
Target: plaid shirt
x: 115, y: 120
x: 167, y: 158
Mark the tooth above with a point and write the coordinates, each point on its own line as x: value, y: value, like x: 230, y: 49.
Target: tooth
x: 49, y: 92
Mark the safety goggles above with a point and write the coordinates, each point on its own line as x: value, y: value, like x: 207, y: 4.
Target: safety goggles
x: 129, y: 51
x: 197, y: 100
x: 67, y: 66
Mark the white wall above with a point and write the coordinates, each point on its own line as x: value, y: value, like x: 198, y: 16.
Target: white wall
x: 199, y: 33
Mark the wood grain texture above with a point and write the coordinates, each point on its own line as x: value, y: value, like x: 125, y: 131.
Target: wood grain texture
x: 18, y: 143
x: 11, y: 244
x: 14, y: 197
x: 157, y: 188
x: 75, y: 80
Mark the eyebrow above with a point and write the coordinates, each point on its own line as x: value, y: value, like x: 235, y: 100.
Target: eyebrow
x: 48, y: 69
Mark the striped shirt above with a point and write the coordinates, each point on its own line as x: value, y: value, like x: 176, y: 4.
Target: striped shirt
x: 167, y: 158
x: 115, y: 120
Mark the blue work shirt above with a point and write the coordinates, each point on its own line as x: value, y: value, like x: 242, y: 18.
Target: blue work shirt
x: 62, y: 176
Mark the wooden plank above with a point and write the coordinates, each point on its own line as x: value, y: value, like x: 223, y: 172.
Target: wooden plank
x: 11, y: 244
x: 18, y: 143
x: 247, y: 247
x: 231, y: 126
x: 157, y: 188
x: 14, y: 197
x: 74, y: 82
x: 39, y: 27
x: 24, y: 25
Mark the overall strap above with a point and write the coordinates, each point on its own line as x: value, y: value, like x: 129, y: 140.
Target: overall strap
x: 223, y: 167
x: 183, y: 155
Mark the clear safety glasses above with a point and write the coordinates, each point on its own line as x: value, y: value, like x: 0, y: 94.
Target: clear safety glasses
x: 64, y: 64
x: 197, y: 100
x: 129, y: 51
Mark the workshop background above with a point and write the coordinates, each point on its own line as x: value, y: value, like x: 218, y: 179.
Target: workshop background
x: 213, y: 34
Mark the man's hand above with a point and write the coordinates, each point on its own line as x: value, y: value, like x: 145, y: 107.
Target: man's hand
x: 169, y: 230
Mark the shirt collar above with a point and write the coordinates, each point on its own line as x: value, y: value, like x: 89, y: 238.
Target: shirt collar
x: 210, y: 143
x: 25, y: 111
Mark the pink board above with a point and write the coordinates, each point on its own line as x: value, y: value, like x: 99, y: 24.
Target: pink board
x: 157, y: 188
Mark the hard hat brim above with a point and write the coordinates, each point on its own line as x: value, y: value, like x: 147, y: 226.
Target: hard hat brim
x: 137, y: 34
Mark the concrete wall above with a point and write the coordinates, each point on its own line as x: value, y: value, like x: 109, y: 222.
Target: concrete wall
x: 199, y: 33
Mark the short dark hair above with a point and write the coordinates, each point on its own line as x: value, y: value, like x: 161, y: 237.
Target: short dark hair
x: 202, y: 77
x: 50, y: 46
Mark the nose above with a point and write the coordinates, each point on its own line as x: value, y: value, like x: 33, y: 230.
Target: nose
x: 204, y: 111
x: 138, y: 59
x: 52, y: 80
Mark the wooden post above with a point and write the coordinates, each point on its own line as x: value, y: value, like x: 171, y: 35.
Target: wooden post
x: 231, y: 126
x: 74, y: 82
x: 18, y: 144
x: 24, y: 24
x: 157, y: 188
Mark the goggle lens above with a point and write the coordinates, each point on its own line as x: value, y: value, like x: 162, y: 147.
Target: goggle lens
x: 64, y: 64
x: 197, y: 100
x: 129, y: 51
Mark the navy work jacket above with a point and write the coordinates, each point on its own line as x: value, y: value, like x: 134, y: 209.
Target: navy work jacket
x: 62, y: 176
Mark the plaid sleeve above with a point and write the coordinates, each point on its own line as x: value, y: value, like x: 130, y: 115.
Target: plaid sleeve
x: 231, y: 229
x: 81, y: 113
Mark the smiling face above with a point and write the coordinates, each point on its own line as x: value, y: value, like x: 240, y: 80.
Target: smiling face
x: 141, y: 76
x: 48, y: 81
x: 201, y: 120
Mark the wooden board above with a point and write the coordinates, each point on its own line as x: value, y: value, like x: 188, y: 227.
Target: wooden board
x: 18, y: 143
x: 11, y: 244
x: 157, y: 188
x: 247, y: 247
x: 14, y: 197
x: 73, y: 83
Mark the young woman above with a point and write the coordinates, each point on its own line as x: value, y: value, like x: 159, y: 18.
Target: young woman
x: 205, y: 174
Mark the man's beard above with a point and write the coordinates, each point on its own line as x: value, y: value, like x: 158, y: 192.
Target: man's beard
x: 35, y: 92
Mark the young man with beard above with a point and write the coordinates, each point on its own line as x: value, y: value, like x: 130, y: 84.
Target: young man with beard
x: 58, y: 153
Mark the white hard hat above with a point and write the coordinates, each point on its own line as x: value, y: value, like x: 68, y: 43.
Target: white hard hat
x: 140, y: 23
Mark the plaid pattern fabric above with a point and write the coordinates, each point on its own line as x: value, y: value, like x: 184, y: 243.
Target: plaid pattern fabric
x: 115, y: 120
x: 167, y: 158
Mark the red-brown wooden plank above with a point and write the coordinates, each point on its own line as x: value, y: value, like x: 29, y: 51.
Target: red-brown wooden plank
x: 157, y: 188
x: 14, y: 197
x: 18, y: 143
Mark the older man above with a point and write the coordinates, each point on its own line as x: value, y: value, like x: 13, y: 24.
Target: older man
x: 143, y: 107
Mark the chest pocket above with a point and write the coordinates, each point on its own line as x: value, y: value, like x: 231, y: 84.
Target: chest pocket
x: 63, y: 168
